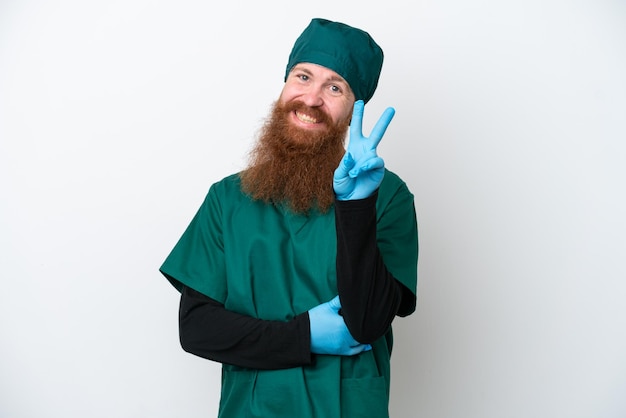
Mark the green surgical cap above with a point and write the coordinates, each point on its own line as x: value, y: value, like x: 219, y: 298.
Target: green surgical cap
x: 348, y: 51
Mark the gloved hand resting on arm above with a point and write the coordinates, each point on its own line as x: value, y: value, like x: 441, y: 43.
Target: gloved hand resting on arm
x: 329, y: 334
x: 361, y: 170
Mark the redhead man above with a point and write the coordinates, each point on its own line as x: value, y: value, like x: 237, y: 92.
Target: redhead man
x: 292, y: 270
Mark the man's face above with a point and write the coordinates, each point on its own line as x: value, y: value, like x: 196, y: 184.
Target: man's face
x: 302, y: 141
x: 324, y: 98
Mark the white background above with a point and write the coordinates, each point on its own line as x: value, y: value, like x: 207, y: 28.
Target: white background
x: 116, y: 116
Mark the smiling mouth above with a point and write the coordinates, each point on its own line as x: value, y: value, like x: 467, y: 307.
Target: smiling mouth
x: 305, y: 118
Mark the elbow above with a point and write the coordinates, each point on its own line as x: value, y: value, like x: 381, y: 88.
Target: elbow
x: 366, y: 332
x: 184, y: 337
x: 368, y: 337
x: 189, y: 337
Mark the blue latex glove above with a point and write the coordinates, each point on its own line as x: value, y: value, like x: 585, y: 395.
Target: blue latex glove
x: 329, y: 334
x: 361, y: 170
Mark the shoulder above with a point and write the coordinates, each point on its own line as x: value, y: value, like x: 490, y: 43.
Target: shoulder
x: 224, y: 192
x: 393, y: 187
x: 228, y: 187
x: 228, y: 183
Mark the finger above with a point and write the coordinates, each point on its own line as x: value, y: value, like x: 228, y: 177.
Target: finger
x: 335, y: 303
x: 356, y: 124
x: 345, y: 165
x: 370, y: 164
x: 381, y: 126
x: 357, y: 349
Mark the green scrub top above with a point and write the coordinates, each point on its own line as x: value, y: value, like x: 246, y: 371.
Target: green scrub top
x: 264, y: 261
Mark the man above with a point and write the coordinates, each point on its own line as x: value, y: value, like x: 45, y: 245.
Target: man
x: 292, y: 270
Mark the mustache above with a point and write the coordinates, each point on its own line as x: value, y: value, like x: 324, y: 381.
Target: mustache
x: 314, y: 112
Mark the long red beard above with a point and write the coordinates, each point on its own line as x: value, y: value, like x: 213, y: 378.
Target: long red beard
x: 293, y: 166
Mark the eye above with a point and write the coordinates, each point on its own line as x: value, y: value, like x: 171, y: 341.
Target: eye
x: 335, y: 89
x: 303, y: 77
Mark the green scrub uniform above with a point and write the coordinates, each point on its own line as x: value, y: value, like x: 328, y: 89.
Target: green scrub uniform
x: 264, y: 261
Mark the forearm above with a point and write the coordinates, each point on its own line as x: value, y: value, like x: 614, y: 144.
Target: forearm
x: 210, y: 331
x: 370, y: 296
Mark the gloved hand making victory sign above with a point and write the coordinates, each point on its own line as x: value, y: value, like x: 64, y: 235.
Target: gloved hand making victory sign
x: 329, y: 333
x: 361, y: 170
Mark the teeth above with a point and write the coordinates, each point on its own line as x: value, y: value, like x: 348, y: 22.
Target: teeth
x: 306, y: 118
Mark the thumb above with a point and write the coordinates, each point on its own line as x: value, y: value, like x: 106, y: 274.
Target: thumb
x: 335, y: 303
x: 345, y: 165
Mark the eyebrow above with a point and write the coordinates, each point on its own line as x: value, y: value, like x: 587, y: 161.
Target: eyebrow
x: 336, y: 78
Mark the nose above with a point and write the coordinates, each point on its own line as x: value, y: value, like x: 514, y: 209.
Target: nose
x: 313, y: 97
